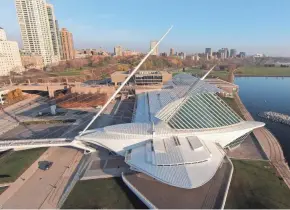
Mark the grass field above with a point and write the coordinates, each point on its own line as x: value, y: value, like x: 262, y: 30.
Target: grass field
x: 109, y: 193
x: 2, y: 189
x: 13, y: 164
x: 255, y: 184
x: 68, y: 72
x: 199, y: 73
x: 263, y: 71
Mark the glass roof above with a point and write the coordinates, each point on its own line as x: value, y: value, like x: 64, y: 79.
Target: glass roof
x: 205, y: 110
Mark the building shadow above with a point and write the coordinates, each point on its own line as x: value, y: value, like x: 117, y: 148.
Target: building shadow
x: 17, y: 120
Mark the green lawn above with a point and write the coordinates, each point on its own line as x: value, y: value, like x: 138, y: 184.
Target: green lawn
x: 199, y: 72
x: 15, y: 163
x: 2, y: 189
x: 109, y: 193
x: 255, y: 184
x: 263, y: 71
x: 68, y: 72
x: 243, y: 71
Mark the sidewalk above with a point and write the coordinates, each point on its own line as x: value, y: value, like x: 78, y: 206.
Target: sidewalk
x: 14, y: 187
x: 35, y: 188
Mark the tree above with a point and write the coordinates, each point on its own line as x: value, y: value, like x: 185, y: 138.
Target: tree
x: 14, y: 94
x: 77, y: 63
x: 123, y: 67
x: 16, y: 70
x: 10, y: 96
x: 104, y: 75
x: 62, y: 65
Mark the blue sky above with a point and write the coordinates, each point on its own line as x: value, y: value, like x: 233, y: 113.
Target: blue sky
x: 254, y: 26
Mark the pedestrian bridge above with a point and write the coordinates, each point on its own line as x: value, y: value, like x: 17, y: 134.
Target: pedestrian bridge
x: 38, y: 143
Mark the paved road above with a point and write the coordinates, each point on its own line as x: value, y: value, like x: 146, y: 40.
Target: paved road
x: 36, y: 131
x: 42, y: 189
x: 270, y: 145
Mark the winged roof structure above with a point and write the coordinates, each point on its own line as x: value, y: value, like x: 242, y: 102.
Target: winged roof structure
x: 178, y: 134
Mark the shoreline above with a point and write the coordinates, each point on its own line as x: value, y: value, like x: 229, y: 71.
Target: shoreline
x: 247, y: 75
x: 269, y: 144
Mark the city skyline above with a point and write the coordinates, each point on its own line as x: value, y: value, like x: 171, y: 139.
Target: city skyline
x: 251, y: 29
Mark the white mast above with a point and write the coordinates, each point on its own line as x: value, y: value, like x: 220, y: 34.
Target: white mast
x: 207, y: 73
x: 123, y: 84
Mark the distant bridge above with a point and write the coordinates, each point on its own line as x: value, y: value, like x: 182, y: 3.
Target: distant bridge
x: 76, y: 87
x: 52, y: 87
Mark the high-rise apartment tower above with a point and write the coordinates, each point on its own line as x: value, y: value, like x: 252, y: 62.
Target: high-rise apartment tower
x: 35, y: 28
x: 67, y: 44
x: 152, y: 44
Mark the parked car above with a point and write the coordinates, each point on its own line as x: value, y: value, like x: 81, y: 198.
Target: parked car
x: 44, y: 165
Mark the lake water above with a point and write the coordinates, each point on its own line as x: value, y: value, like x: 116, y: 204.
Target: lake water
x: 261, y: 94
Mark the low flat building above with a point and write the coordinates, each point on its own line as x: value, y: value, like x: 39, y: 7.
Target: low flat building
x: 81, y: 54
x: 118, y: 77
x: 145, y: 77
x: 130, y: 53
x: 151, y: 77
x: 228, y: 89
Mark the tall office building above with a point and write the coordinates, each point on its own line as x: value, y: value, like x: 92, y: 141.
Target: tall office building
x: 226, y: 52
x: 233, y: 53
x: 208, y: 51
x: 118, y: 51
x: 9, y: 55
x: 242, y: 54
x: 67, y: 44
x: 35, y: 28
x: 182, y: 55
x: 53, y: 30
x: 152, y: 44
x: 59, y: 39
x: 171, y: 53
x: 221, y: 54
